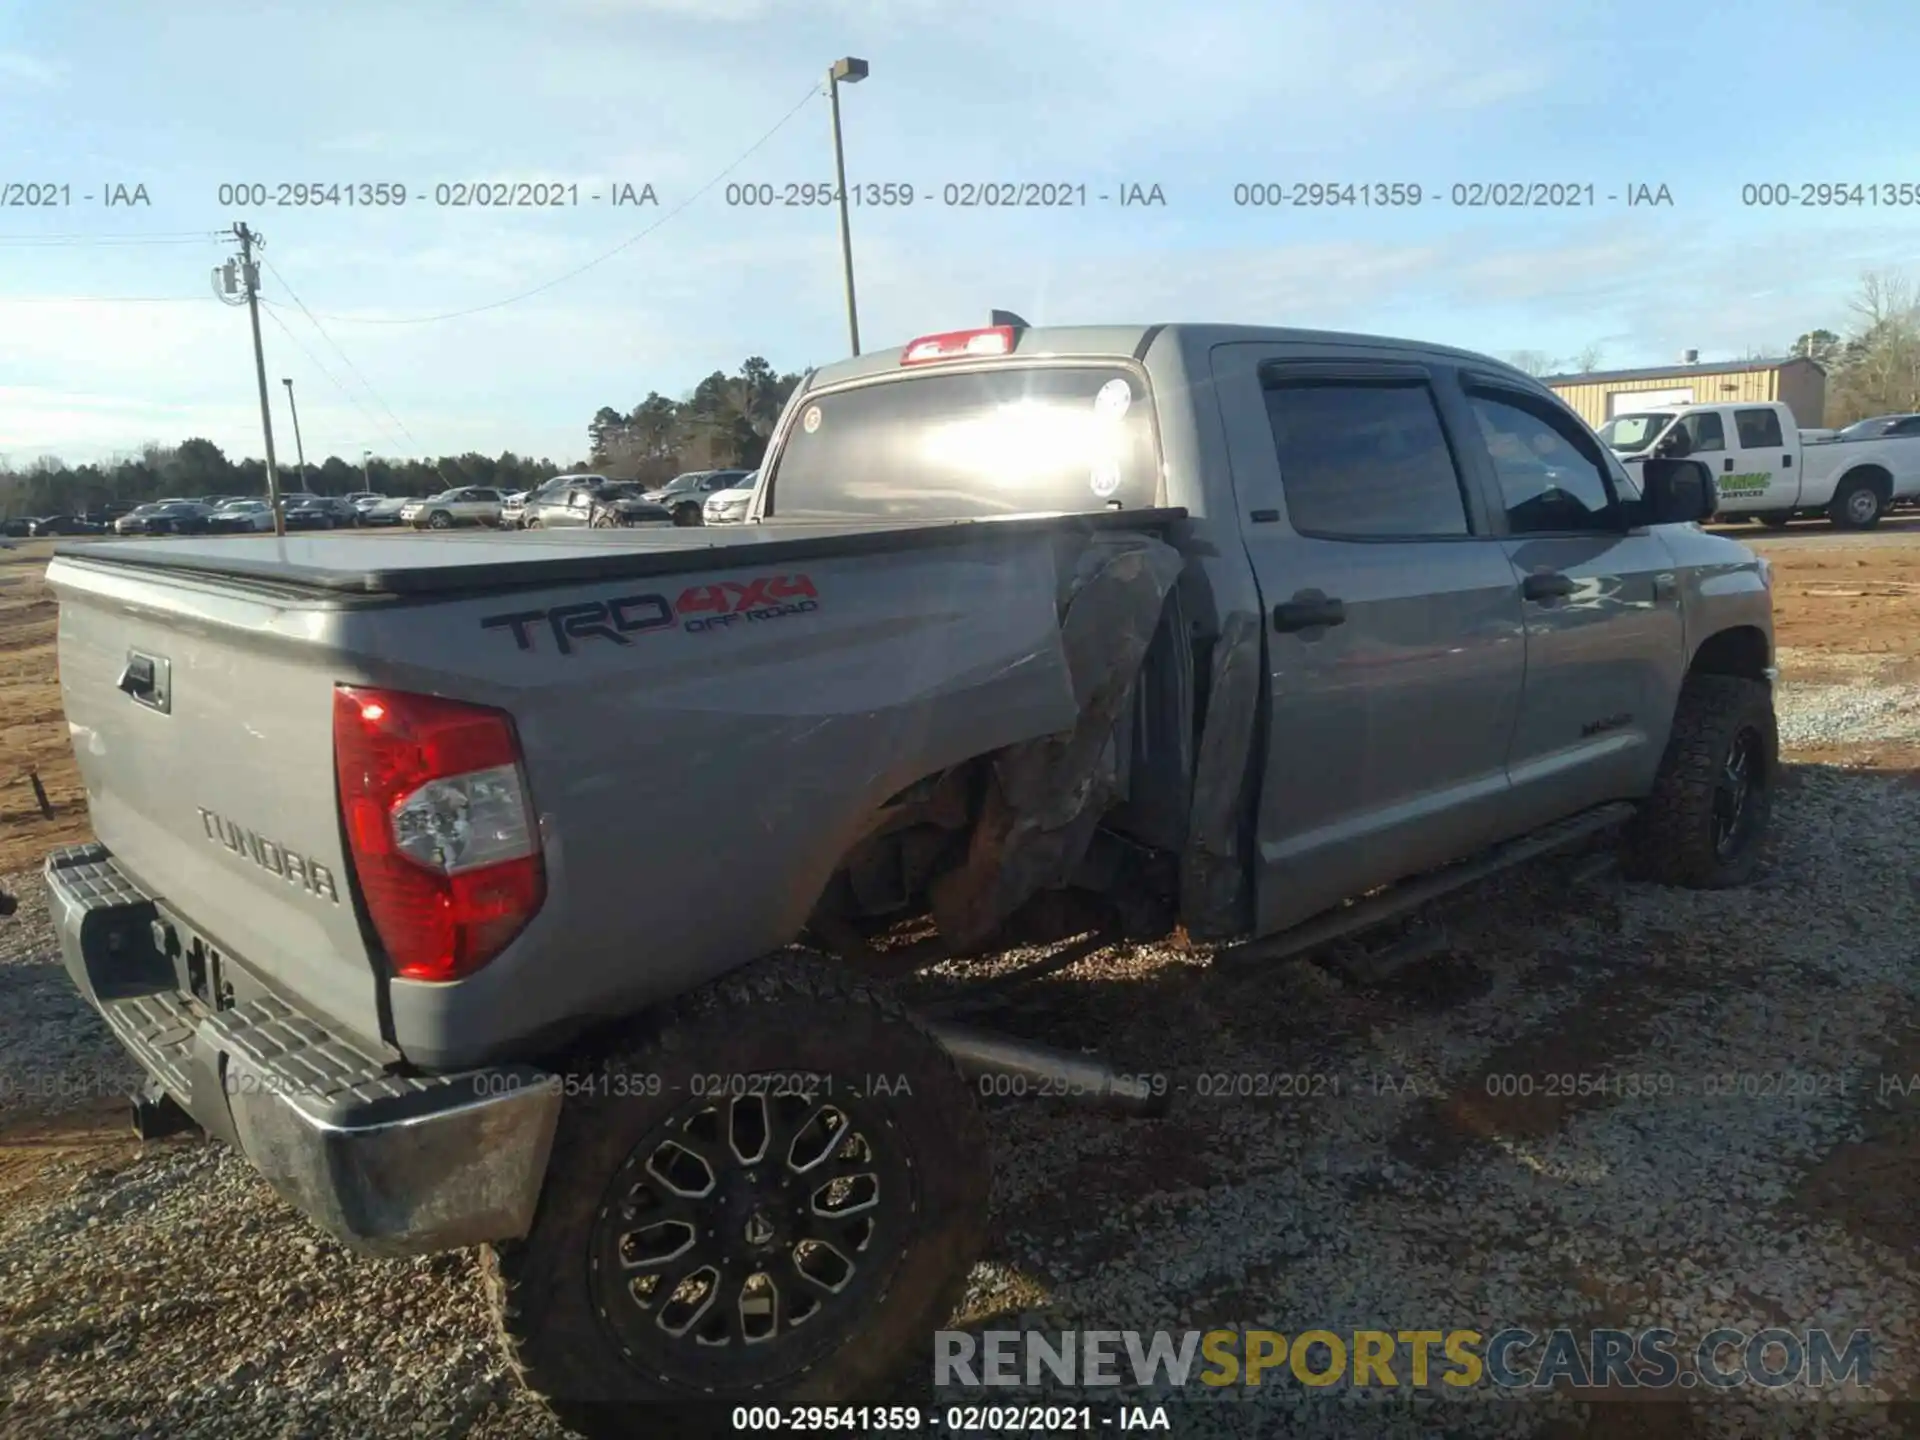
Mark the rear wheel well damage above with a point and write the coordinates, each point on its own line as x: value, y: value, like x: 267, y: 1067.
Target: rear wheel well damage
x: 1090, y: 808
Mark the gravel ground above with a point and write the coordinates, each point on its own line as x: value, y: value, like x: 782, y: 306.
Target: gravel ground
x: 164, y: 1290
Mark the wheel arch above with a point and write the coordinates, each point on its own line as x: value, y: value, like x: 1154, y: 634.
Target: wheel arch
x: 1878, y: 476
x: 1741, y: 650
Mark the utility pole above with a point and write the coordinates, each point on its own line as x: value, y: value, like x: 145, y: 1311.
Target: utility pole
x: 299, y: 450
x: 250, y: 274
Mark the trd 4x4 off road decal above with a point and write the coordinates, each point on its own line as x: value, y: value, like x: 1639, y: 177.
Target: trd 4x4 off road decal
x: 699, y: 608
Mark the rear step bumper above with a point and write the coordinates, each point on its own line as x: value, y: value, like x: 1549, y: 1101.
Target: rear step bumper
x: 388, y: 1164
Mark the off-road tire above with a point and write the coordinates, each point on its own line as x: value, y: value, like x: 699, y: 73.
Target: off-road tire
x: 1672, y: 839
x: 440, y: 520
x: 1848, y: 510
x: 792, y: 1013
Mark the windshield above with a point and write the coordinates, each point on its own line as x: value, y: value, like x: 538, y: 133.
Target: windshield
x: 680, y: 483
x: 1005, y: 440
x: 1866, y: 429
x: 1630, y: 434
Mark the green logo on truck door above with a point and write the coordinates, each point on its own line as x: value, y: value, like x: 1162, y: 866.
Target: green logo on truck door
x: 1751, y: 484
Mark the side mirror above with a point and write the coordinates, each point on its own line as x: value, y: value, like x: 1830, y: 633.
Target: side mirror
x: 1676, y: 492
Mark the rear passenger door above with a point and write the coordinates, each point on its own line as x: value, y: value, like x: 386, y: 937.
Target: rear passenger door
x: 1604, y: 642
x: 1759, y: 475
x: 1393, y: 631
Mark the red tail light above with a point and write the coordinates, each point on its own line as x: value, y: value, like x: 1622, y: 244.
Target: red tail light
x: 958, y: 344
x: 440, y: 827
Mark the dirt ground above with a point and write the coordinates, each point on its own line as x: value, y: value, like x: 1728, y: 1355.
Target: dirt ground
x: 1833, y: 597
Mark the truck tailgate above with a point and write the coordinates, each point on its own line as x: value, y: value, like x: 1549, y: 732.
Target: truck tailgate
x: 201, y: 718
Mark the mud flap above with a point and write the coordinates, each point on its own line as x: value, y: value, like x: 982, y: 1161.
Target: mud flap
x: 1045, y: 797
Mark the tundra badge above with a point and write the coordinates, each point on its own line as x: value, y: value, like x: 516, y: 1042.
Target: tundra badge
x: 270, y: 855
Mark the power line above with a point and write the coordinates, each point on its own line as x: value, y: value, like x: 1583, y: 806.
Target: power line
x: 351, y: 398
x: 101, y: 243
x: 342, y: 354
x: 158, y: 237
x: 626, y: 244
x: 102, y: 299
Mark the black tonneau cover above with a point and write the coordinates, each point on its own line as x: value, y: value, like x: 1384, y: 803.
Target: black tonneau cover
x: 444, y: 565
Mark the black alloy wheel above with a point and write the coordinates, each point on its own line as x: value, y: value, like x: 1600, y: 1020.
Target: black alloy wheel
x: 741, y: 1221
x: 1742, y: 775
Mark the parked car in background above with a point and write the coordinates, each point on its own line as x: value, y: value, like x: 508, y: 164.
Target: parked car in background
x: 1763, y: 472
x: 361, y: 499
x: 604, y: 504
x: 685, y: 495
x: 513, y: 509
x: 18, y: 527
x: 214, y: 502
x: 66, y: 525
x: 1880, y: 427
x: 467, y: 505
x: 621, y: 504
x: 321, y: 512
x: 729, y: 507
x: 241, y: 517
x: 163, y: 517
x: 105, y: 515
x: 386, y: 511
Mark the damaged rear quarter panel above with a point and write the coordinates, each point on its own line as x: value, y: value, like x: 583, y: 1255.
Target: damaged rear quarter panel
x: 697, y: 783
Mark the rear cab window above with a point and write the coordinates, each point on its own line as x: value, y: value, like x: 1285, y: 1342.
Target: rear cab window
x: 1759, y: 429
x: 1008, y: 439
x: 1364, y: 459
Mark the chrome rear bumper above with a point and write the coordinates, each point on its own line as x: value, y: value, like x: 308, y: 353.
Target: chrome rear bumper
x: 386, y: 1162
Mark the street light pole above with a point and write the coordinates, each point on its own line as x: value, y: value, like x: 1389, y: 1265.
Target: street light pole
x: 299, y: 449
x: 851, y: 72
x: 366, y: 480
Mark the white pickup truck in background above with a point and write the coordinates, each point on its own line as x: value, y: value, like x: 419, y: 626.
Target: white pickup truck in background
x: 1764, y: 468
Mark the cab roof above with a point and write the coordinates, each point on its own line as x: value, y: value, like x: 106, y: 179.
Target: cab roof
x: 1111, y: 342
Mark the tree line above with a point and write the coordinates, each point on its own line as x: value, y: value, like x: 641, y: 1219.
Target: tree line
x: 723, y: 424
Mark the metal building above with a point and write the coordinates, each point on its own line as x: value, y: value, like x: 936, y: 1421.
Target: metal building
x: 1798, y: 383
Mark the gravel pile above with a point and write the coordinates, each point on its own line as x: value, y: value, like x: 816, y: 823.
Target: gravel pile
x: 1406, y: 1182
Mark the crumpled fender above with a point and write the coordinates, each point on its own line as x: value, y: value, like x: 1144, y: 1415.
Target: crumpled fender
x: 1046, y: 796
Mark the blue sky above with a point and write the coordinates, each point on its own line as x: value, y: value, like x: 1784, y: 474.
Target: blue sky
x: 106, y: 345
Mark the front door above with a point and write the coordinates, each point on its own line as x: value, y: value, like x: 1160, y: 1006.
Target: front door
x: 1394, y: 635
x: 1605, y: 646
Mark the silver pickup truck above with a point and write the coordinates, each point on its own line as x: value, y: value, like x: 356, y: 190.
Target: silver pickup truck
x: 458, y: 881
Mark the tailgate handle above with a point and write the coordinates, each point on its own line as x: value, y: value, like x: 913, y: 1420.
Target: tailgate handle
x: 145, y: 680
